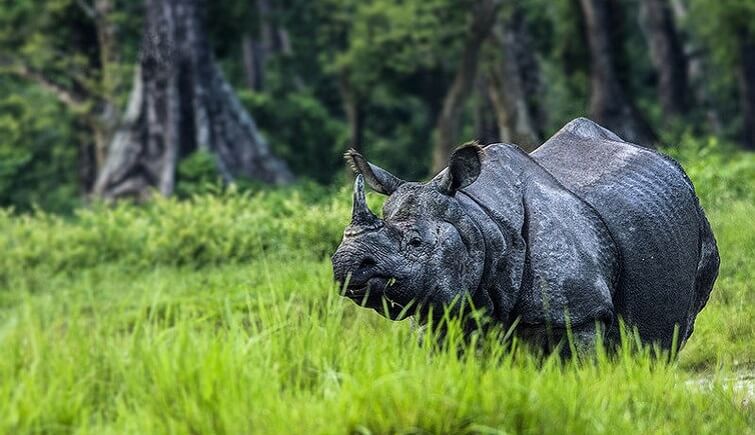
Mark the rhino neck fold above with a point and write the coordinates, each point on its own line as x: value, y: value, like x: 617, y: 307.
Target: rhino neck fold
x: 498, y: 288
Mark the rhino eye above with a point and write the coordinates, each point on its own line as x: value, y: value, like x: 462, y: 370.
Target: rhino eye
x: 415, y: 242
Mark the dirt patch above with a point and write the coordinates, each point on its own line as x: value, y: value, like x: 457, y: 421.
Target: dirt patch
x: 743, y: 383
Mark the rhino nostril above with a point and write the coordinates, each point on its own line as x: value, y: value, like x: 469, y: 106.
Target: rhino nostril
x: 367, y: 263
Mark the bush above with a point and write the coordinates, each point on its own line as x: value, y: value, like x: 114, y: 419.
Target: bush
x: 204, y: 230
x: 238, y: 224
x: 37, y: 156
x: 720, y: 172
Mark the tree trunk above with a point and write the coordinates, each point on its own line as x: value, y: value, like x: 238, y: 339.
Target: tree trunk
x: 610, y: 106
x: 271, y: 38
x: 697, y: 71
x: 512, y: 79
x: 667, y: 56
x: 747, y: 87
x: 253, y: 57
x: 107, y: 114
x: 447, y: 124
x: 486, y: 127
x: 352, y: 106
x: 86, y: 164
x: 180, y: 102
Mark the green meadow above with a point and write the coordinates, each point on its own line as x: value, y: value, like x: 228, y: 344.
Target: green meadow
x: 217, y: 314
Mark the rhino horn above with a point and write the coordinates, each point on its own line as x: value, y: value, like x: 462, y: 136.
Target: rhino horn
x: 362, y: 218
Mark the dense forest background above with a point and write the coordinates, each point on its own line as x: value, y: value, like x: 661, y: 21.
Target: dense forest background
x: 121, y: 98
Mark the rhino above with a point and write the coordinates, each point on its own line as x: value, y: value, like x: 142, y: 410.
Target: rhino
x: 584, y: 234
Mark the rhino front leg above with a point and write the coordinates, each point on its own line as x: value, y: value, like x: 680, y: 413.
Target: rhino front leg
x: 583, y: 339
x: 580, y: 339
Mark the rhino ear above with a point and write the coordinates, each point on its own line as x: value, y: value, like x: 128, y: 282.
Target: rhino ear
x: 376, y: 177
x: 464, y: 167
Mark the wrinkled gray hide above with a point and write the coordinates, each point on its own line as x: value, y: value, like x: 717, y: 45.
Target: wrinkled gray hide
x: 586, y: 230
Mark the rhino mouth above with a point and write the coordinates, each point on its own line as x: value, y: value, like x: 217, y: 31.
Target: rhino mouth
x: 373, y: 294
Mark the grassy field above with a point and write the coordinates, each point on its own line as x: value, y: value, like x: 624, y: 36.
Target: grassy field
x: 218, y: 315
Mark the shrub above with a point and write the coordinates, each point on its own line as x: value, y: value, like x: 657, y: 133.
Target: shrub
x: 206, y: 229
x: 720, y: 172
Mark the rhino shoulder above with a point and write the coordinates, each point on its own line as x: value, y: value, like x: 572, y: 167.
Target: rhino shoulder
x: 587, y: 129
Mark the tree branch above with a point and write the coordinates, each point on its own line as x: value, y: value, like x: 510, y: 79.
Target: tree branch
x: 87, y: 8
x: 65, y: 96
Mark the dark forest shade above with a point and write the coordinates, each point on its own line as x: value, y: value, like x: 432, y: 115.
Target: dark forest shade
x: 482, y: 19
x: 747, y: 90
x: 513, y: 81
x: 667, y: 56
x: 609, y: 103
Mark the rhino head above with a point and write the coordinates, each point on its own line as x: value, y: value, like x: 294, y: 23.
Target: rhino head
x: 424, y: 253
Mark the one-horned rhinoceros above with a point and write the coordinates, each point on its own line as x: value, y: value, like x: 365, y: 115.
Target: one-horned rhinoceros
x: 583, y: 232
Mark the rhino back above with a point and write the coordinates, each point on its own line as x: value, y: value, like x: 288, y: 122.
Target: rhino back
x: 650, y: 207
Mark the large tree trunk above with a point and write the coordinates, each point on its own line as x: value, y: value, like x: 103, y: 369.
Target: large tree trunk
x: 353, y: 107
x: 107, y: 117
x: 610, y: 106
x: 270, y: 39
x: 512, y: 80
x: 667, y: 56
x: 181, y: 102
x: 697, y: 71
x: 253, y: 59
x: 447, y: 124
x: 747, y: 87
x: 486, y: 126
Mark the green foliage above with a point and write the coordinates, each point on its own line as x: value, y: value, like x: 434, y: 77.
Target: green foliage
x: 35, y: 34
x: 301, y: 131
x: 197, y: 174
x: 395, y: 56
x: 201, y: 231
x: 720, y: 172
x: 722, y: 25
x: 388, y: 38
x: 37, y: 160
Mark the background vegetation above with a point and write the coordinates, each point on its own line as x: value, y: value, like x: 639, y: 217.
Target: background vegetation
x: 400, y: 80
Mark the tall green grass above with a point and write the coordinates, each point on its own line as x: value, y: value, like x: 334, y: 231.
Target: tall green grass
x: 247, y: 348
x: 218, y: 315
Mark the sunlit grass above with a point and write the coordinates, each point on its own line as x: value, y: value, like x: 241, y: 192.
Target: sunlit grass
x: 270, y: 347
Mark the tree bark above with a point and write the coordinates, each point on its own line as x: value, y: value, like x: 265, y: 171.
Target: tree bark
x: 352, y: 106
x: 610, y: 106
x: 180, y: 102
x: 697, y: 71
x: 270, y: 39
x: 253, y: 61
x: 667, y: 56
x: 103, y: 118
x: 486, y: 126
x: 747, y: 88
x: 447, y: 125
x: 512, y: 80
